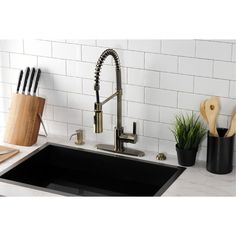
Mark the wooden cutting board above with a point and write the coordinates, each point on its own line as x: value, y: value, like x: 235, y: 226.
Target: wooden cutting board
x: 8, y: 155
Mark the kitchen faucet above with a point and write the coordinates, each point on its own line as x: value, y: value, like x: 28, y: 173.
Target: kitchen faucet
x: 120, y: 137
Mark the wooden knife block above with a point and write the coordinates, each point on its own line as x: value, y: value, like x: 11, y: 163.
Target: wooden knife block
x: 23, y: 120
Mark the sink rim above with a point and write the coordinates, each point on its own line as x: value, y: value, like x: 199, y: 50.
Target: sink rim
x: 167, y: 184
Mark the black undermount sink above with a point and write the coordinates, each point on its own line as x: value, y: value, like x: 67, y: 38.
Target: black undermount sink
x: 72, y: 171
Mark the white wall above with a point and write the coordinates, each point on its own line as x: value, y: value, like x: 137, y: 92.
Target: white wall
x: 160, y: 78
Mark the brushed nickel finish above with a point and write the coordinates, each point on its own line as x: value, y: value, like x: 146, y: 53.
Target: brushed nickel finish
x: 79, y: 136
x: 126, y: 151
x: 120, y: 137
x: 161, y: 156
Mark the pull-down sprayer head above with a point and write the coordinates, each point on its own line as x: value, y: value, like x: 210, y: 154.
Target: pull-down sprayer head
x: 98, y: 118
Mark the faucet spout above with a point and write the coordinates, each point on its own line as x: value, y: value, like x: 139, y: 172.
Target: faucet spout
x: 120, y: 136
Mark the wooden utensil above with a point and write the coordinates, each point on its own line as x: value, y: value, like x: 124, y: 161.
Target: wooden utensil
x: 7, y: 155
x: 232, y: 129
x: 203, y: 111
x: 212, y: 107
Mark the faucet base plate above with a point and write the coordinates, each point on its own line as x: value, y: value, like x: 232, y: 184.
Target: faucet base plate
x: 127, y: 151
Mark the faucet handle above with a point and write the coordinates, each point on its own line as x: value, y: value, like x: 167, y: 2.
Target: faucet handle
x: 134, y: 127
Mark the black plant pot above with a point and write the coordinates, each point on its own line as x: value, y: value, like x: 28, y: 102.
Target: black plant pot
x: 220, y: 152
x: 186, y: 157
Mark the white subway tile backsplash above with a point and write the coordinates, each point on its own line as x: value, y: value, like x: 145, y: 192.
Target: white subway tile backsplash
x: 8, y: 75
x: 178, y: 47
x: 161, y: 97
x: 213, y: 50
x: 160, y: 78
x: 4, y: 59
x: 82, y: 102
x: 143, y: 77
x: 54, y: 97
x: 225, y: 70
x: 46, y: 81
x: 143, y: 111
x: 66, y: 51
x: 232, y: 92
x: 66, y: 83
x: 131, y: 58
x: 5, y: 90
x: 167, y: 147
x: 75, y: 116
x: 111, y: 107
x: 56, y: 128
x: 3, y: 119
x: 222, y: 121
x: 4, y: 104
x: 52, y: 65
x: 167, y: 114
x: 80, y: 69
x: 11, y: 45
x: 21, y: 61
x: 60, y: 114
x: 153, y: 46
x: 133, y: 93
x: 227, y: 105
x: 92, y: 54
x: 190, y: 101
x: 122, y: 44
x: 48, y: 112
x: 72, y: 116
x: 194, y: 66
x: 215, y: 87
x: 176, y: 82
x: 234, y: 53
x: 161, y: 62
x: 38, y: 47
x: 158, y: 130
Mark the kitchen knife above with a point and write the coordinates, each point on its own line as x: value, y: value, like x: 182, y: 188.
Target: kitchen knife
x: 19, y: 81
x: 38, y: 73
x: 31, y: 80
x: 27, y: 71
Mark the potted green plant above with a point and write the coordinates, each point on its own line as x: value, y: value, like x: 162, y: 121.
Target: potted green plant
x: 189, y: 131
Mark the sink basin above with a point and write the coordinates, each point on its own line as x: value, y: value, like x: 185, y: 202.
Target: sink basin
x: 73, y: 171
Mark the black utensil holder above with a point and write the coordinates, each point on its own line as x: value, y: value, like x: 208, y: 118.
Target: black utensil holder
x: 220, y: 152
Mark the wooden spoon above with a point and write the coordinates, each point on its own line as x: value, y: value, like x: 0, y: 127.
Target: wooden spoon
x: 202, y: 111
x: 232, y: 129
x: 212, y: 107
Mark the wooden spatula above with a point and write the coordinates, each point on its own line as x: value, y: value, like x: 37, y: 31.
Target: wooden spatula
x: 232, y: 129
x: 202, y: 111
x: 212, y: 107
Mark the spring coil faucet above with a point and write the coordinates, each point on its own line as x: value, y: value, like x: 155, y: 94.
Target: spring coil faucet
x: 120, y: 136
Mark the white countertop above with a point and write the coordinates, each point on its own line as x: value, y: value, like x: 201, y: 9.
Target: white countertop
x: 194, y: 181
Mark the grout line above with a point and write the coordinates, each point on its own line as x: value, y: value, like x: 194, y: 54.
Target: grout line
x: 93, y: 63
x: 23, y: 46
x: 232, y: 52
x: 139, y: 51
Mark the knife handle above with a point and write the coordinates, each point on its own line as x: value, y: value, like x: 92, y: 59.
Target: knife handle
x: 27, y: 71
x: 36, y: 81
x: 19, y: 81
x: 31, y: 80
